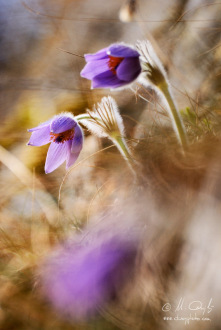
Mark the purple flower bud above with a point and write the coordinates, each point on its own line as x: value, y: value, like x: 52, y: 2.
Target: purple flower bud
x: 112, y: 67
x: 80, y: 278
x: 66, y: 139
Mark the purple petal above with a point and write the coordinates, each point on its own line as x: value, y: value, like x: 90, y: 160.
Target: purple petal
x: 97, y: 56
x: 62, y: 123
x: 40, y: 137
x: 119, y: 50
x: 129, y: 69
x: 71, y: 156
x: 40, y: 126
x: 94, y: 68
x: 107, y: 80
x: 74, y: 146
x: 78, y: 279
x: 57, y: 153
x: 74, y: 283
x: 77, y: 142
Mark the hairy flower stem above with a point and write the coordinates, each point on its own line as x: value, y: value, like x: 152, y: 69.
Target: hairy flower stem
x: 174, y: 114
x: 122, y: 147
x: 119, y: 142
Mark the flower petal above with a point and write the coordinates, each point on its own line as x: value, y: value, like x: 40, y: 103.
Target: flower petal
x: 57, y: 153
x: 129, y: 69
x: 119, y: 50
x: 40, y: 137
x: 46, y: 123
x: 71, y: 156
x: 94, y: 68
x: 77, y: 142
x: 107, y: 80
x: 62, y: 123
x: 96, y: 56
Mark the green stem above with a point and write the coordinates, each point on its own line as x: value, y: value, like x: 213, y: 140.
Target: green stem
x: 82, y: 116
x: 121, y: 144
x: 122, y: 147
x: 174, y: 114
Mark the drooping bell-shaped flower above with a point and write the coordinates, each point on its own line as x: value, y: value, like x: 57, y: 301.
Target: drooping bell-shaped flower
x: 112, y: 67
x: 65, y: 136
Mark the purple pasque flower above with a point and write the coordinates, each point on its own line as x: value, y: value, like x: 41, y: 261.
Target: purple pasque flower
x: 112, y: 67
x: 65, y: 136
x: 80, y: 278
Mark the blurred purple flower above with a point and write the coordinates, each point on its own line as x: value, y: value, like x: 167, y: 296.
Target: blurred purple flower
x: 81, y: 278
x: 66, y: 139
x: 112, y: 67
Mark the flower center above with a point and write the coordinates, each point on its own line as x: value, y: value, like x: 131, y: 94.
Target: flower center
x: 114, y: 62
x: 62, y: 137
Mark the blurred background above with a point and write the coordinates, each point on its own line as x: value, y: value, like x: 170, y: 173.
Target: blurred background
x: 176, y: 214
